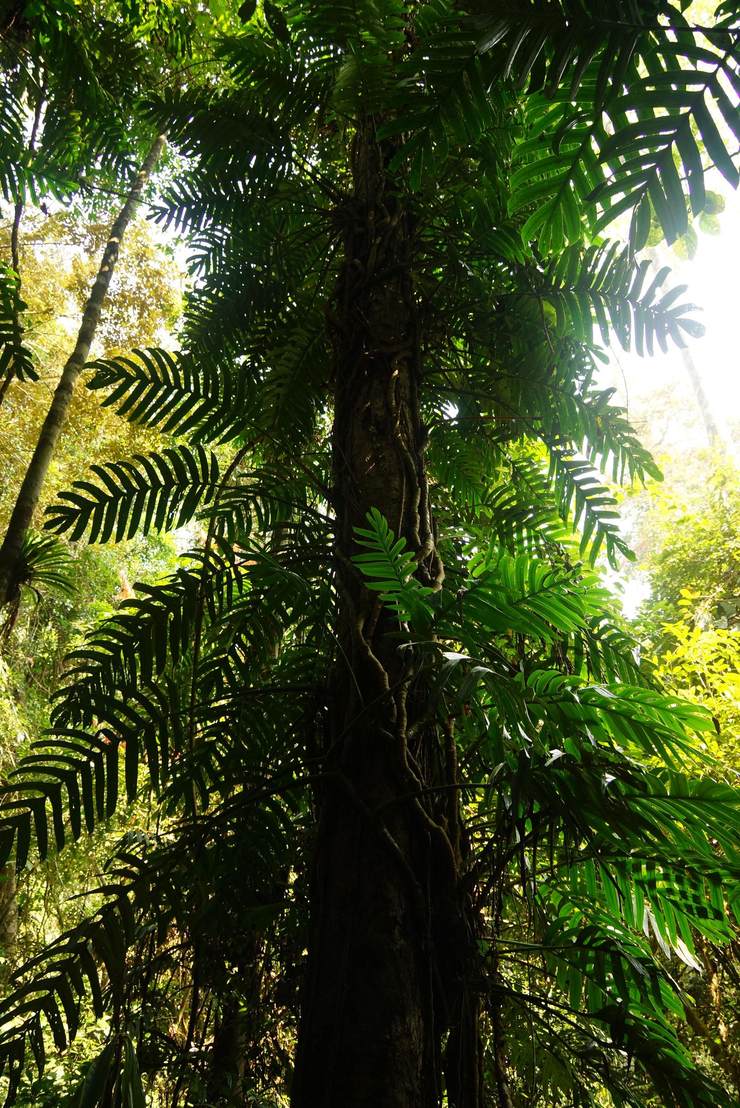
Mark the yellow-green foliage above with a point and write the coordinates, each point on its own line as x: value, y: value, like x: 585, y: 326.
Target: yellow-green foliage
x: 692, y: 619
x: 59, y: 257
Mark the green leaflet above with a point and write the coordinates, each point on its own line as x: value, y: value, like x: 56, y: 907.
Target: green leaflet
x: 388, y: 568
x: 15, y: 357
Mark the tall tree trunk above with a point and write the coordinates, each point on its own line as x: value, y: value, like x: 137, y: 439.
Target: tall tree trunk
x: 702, y: 401
x: 236, y: 1031
x: 658, y: 256
x: 30, y: 491
x: 225, y: 1081
x: 390, y: 934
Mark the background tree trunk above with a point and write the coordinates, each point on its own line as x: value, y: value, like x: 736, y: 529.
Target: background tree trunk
x: 660, y: 257
x: 388, y: 928
x: 30, y: 491
x: 8, y: 920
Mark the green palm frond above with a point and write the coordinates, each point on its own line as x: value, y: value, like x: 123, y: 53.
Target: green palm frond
x: 91, y: 126
x: 147, y: 633
x: 568, y: 501
x: 524, y: 595
x: 551, y: 44
x: 580, y: 490
x: 148, y: 885
x: 605, y: 286
x: 524, y: 514
x: 584, y: 146
x: 211, y: 400
x: 602, y: 432
x: 610, y: 977
x: 15, y: 356
x: 631, y: 717
x: 85, y: 966
x: 45, y: 563
x: 154, y: 388
x: 680, y: 114
x: 43, y: 566
x: 124, y: 704
x: 12, y: 144
x: 607, y: 652
x: 154, y: 492
x: 69, y: 781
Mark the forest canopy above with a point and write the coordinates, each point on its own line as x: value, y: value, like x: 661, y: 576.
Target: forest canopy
x: 333, y: 773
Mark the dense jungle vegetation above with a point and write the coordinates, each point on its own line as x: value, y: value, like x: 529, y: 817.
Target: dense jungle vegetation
x: 333, y: 774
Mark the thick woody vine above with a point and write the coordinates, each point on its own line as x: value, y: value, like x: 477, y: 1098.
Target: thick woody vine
x: 391, y: 763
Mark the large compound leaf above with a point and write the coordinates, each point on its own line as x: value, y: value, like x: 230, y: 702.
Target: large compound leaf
x: 151, y: 492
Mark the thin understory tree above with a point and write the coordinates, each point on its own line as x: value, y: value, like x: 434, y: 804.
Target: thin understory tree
x: 32, y: 485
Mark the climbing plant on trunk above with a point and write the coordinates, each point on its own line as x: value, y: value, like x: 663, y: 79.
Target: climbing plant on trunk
x: 388, y: 918
x: 453, y: 786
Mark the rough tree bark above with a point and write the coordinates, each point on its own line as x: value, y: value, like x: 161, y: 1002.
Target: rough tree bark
x: 392, y: 938
x: 8, y: 921
x: 30, y: 490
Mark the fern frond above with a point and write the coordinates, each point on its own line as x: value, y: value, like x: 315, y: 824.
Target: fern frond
x: 571, y: 492
x: 579, y: 490
x: 147, y: 633
x: 606, y: 652
x: 557, y: 167
x: 144, y: 890
x: 584, y: 145
x: 674, y: 102
x: 526, y: 596
x: 601, y: 432
x: 604, y: 284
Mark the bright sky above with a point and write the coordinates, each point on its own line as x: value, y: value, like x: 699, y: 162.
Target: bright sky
x: 657, y: 391
x: 713, y: 277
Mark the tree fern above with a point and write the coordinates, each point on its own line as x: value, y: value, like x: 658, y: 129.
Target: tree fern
x: 392, y: 662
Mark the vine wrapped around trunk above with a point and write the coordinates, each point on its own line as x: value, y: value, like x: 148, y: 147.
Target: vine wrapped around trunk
x: 391, y: 934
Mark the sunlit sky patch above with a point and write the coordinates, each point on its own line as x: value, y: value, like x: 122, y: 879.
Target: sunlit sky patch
x: 714, y: 286
x: 657, y: 391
